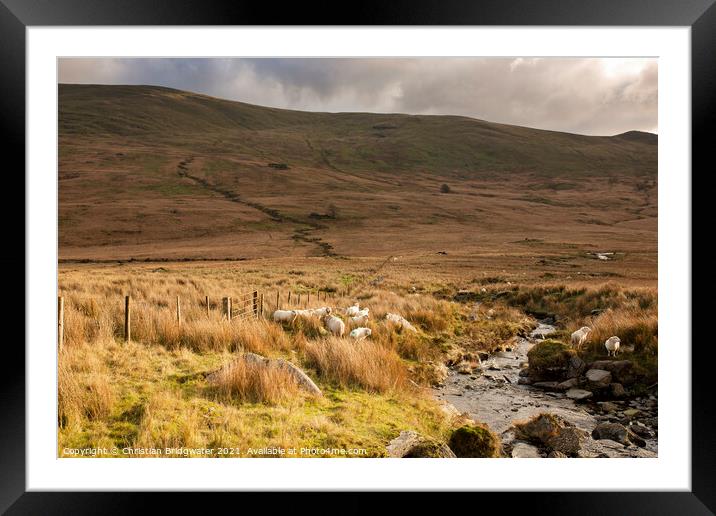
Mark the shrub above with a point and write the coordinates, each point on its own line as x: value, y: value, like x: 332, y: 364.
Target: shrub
x: 548, y: 356
x: 445, y: 188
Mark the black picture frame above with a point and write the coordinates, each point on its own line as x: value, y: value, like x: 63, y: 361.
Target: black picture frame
x: 17, y: 15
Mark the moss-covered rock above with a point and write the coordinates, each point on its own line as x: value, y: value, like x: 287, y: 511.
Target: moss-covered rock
x: 549, y: 359
x: 474, y: 441
x: 410, y: 444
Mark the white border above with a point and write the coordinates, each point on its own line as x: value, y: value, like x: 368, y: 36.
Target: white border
x: 671, y: 471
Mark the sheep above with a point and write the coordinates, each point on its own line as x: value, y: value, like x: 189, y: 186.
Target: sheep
x: 320, y: 312
x: 398, y: 319
x: 362, y: 313
x: 612, y: 345
x: 359, y: 319
x: 335, y: 325
x: 579, y: 337
x: 303, y: 313
x: 352, y: 310
x: 284, y: 315
x: 360, y: 333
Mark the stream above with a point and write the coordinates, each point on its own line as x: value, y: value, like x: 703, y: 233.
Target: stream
x: 494, y: 397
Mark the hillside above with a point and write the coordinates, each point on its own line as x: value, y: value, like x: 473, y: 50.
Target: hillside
x: 151, y: 172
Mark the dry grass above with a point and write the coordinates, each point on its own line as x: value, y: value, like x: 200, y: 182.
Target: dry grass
x: 248, y: 381
x: 363, y: 364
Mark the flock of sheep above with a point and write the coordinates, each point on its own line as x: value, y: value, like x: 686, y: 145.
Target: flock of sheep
x: 579, y: 337
x: 356, y: 317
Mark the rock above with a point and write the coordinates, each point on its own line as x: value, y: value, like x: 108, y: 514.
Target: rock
x: 567, y: 384
x: 568, y: 440
x: 632, y: 412
x: 617, y: 390
x: 608, y: 406
x: 612, y: 431
x: 578, y: 394
x: 641, y: 430
x: 610, y: 449
x: 622, y: 370
x: 599, y: 378
x: 554, y: 454
x: 524, y: 372
x: 540, y: 428
x: 575, y: 367
x: 549, y: 360
x: 464, y: 368
x: 522, y: 450
x: 410, y: 444
x: 524, y: 381
x: 474, y: 441
x: 545, y: 385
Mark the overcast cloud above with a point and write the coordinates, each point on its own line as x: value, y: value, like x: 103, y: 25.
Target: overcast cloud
x: 587, y: 96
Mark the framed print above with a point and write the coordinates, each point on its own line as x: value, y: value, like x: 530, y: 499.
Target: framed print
x: 449, y: 233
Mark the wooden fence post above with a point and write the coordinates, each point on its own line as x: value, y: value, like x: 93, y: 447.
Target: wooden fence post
x: 231, y: 308
x: 207, y: 306
x: 261, y: 305
x: 60, y: 322
x: 178, y: 312
x: 289, y: 299
x: 308, y: 297
x: 255, y: 302
x: 299, y: 300
x: 225, y: 306
x: 278, y: 297
x: 127, y: 321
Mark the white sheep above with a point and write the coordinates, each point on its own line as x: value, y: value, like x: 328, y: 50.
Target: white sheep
x: 363, y: 312
x: 284, y: 315
x: 335, y: 325
x: 320, y: 312
x: 361, y: 333
x: 612, y: 345
x: 400, y: 320
x: 579, y: 337
x: 352, y: 310
x: 359, y: 319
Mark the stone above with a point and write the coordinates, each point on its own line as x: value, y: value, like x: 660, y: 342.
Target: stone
x: 540, y: 428
x: 641, y: 430
x: 606, y: 448
x: 554, y: 454
x: 617, y: 390
x: 599, y: 378
x: 567, y: 384
x: 524, y: 381
x: 632, y: 412
x: 575, y: 367
x: 578, y: 394
x: 545, y: 385
x: 612, y: 431
x: 524, y: 372
x: 464, y: 368
x: 522, y: 450
x: 622, y: 370
x: 607, y: 406
x: 410, y: 444
x: 568, y: 440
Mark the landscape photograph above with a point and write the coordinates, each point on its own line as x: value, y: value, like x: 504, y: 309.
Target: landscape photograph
x: 396, y: 257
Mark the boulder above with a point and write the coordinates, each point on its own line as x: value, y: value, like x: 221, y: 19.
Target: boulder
x: 622, y: 370
x: 549, y: 360
x: 608, y: 407
x: 617, y: 390
x: 474, y: 441
x: 524, y: 381
x: 575, y: 367
x: 599, y: 378
x: 578, y: 394
x: 553, y: 432
x: 632, y: 412
x: 612, y: 431
x: 522, y: 450
x: 410, y: 444
x: 567, y: 384
x: 554, y: 454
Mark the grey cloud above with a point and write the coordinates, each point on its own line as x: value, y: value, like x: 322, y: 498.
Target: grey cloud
x: 586, y: 95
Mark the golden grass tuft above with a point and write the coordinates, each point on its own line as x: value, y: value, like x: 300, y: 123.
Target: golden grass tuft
x: 252, y: 382
x: 363, y: 364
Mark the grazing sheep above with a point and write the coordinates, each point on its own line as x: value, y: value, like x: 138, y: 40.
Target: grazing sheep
x: 335, y: 325
x: 579, y: 337
x: 320, y: 312
x: 399, y: 319
x: 361, y: 313
x: 359, y: 319
x: 352, y: 310
x: 612, y: 345
x: 281, y: 316
x: 361, y: 333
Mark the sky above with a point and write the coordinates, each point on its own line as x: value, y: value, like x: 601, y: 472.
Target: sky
x: 596, y: 96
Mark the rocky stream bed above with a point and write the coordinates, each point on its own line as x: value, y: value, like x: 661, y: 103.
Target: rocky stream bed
x: 499, y: 394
